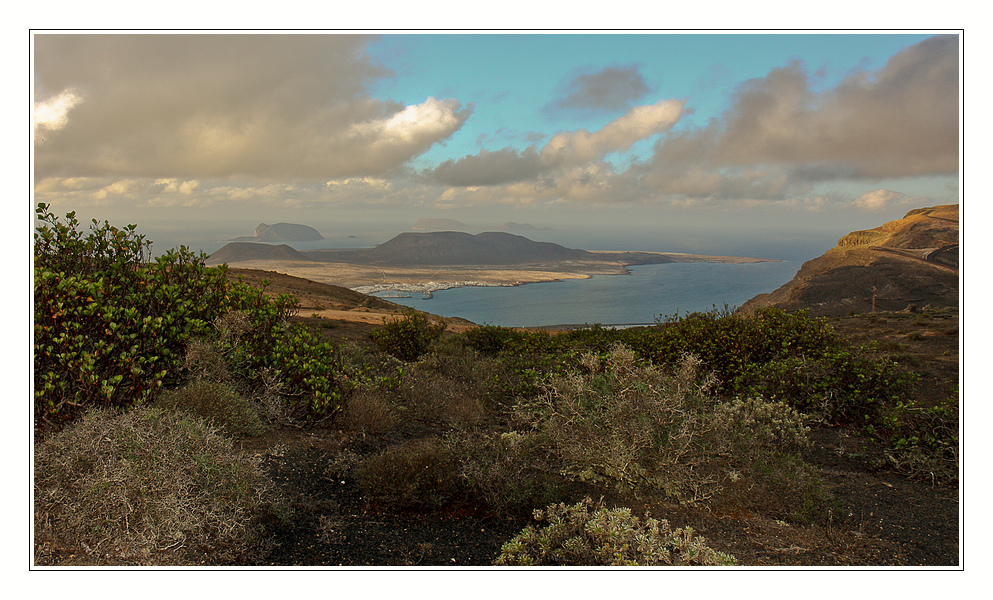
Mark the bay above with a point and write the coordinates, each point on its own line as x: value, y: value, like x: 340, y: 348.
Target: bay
x: 647, y: 293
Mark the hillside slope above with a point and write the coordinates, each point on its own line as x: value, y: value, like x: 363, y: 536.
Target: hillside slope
x: 909, y: 261
x: 234, y: 252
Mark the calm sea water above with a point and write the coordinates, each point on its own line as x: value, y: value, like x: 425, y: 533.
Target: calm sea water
x: 650, y: 291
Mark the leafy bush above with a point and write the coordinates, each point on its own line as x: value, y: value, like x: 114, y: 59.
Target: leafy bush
x: 840, y: 385
x: 407, y: 337
x: 609, y: 537
x: 922, y: 441
x: 313, y: 375
x: 110, y: 325
x: 216, y: 402
x: 148, y: 487
x: 421, y: 474
x: 726, y: 343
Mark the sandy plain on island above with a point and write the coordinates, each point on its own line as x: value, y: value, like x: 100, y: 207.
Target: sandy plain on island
x: 353, y: 275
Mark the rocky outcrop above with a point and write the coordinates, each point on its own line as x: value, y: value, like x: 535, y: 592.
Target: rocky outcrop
x: 909, y: 261
x: 282, y: 232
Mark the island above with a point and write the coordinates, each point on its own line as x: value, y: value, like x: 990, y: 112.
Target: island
x: 414, y: 262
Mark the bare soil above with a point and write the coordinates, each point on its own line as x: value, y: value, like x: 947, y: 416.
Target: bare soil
x: 887, y: 519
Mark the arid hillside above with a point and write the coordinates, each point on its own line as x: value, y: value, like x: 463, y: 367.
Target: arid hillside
x: 910, y: 262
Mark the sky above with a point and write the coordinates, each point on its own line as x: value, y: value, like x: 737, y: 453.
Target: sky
x: 702, y: 136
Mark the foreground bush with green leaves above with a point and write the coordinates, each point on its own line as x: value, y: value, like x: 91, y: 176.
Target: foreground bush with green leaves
x: 575, y: 536
x: 149, y: 487
x: 112, y: 325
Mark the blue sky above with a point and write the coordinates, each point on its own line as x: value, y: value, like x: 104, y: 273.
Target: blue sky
x: 514, y: 78
x: 782, y: 133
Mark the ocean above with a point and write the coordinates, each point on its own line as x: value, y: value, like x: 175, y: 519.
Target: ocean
x: 648, y: 293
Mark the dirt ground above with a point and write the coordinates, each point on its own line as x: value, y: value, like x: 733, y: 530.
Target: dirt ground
x: 891, y: 520
x: 887, y: 520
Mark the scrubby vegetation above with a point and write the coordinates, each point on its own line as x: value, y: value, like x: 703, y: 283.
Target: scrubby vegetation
x: 606, y: 537
x: 149, y: 487
x: 148, y: 370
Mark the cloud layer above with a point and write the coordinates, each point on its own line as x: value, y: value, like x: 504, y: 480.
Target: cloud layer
x: 271, y: 106
x: 564, y: 151
x: 288, y: 120
x: 780, y: 136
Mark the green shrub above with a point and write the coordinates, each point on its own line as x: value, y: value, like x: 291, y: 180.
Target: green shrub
x: 111, y: 325
x: 606, y: 537
x: 840, y: 385
x: 407, y: 337
x: 727, y: 343
x: 422, y: 474
x: 312, y: 372
x: 923, y: 441
x: 216, y: 402
x: 149, y: 487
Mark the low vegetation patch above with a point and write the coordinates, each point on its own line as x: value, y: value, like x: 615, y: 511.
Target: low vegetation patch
x: 407, y: 337
x: 627, y: 424
x: 218, y: 403
x: 149, y: 487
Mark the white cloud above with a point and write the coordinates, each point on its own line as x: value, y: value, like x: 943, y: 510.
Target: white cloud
x: 53, y: 114
x: 639, y: 123
x: 265, y: 107
x: 877, y: 200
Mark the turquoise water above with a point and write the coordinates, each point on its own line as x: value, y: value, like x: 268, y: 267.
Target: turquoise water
x: 650, y: 291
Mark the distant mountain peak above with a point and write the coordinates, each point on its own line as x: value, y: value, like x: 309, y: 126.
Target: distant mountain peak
x: 461, y: 248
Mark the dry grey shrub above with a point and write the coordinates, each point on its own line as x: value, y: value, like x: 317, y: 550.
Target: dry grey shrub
x: 437, y: 389
x: 231, y: 326
x: 368, y: 411
x: 574, y: 536
x: 204, y: 360
x: 507, y: 472
x: 218, y: 402
x: 148, y: 487
x: 624, y: 422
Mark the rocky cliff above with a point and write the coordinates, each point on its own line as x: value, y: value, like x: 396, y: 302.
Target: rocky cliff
x: 913, y: 261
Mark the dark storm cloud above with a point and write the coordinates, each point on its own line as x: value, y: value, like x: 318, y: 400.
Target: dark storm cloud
x: 611, y: 89
x: 220, y: 105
